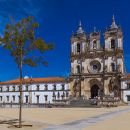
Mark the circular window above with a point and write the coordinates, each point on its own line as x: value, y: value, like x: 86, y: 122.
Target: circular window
x: 94, y: 66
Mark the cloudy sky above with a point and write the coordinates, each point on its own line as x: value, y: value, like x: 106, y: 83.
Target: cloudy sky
x: 58, y: 19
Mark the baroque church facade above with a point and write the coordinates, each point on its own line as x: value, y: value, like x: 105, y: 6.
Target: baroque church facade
x: 97, y: 69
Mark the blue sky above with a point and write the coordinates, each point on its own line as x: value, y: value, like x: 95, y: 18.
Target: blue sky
x: 58, y: 19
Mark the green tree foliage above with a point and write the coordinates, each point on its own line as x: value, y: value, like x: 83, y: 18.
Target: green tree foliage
x: 19, y: 38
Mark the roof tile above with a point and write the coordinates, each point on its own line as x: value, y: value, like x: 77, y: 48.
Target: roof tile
x: 35, y: 80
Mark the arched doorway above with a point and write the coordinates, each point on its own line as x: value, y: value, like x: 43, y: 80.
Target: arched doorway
x: 94, y: 91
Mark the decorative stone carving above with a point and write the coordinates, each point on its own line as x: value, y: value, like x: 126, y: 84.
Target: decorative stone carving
x: 94, y: 66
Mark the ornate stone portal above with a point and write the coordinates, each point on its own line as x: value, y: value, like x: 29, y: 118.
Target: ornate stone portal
x: 96, y: 69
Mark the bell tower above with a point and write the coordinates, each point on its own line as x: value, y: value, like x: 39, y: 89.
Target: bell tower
x: 78, y: 48
x: 94, y: 40
x: 113, y: 37
x: 114, y: 48
x: 114, y: 57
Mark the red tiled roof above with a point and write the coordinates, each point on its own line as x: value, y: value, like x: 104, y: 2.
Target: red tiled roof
x: 35, y: 80
x: 128, y: 75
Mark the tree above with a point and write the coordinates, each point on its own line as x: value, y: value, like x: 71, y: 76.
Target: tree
x: 20, y: 39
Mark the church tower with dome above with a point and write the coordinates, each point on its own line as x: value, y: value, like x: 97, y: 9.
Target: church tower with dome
x: 96, y: 69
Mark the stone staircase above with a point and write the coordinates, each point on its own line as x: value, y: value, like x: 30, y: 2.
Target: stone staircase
x: 80, y: 102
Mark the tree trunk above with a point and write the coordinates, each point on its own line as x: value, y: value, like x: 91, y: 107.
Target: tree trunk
x: 21, y: 94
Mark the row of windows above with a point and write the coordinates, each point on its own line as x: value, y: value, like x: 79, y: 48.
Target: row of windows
x: 27, y: 88
x: 8, y: 97
x: 79, y: 46
x: 78, y: 68
x: 113, y: 45
x: 58, y: 95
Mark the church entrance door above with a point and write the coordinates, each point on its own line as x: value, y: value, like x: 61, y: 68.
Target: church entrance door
x: 94, y: 91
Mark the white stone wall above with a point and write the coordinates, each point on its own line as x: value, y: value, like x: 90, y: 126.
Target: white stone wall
x: 125, y: 90
x: 33, y: 92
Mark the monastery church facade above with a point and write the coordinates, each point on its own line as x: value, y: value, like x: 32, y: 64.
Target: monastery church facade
x: 97, y: 69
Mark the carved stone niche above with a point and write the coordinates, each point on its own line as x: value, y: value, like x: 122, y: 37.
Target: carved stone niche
x: 83, y: 59
x: 70, y: 79
x: 119, y: 68
x: 105, y: 68
x: 113, y: 58
x: 105, y: 57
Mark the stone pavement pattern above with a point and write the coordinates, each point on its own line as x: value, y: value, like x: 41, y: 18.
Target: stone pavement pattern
x: 83, y: 123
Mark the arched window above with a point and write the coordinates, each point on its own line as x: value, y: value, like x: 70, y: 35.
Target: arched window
x: 78, y: 47
x: 113, y: 44
x: 78, y: 69
x: 94, y: 44
x: 113, y: 66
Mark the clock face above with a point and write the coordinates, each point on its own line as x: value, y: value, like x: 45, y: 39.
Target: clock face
x: 94, y: 66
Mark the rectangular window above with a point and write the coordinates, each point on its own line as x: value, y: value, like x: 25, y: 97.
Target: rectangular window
x: 78, y: 47
x: 18, y: 88
x: 1, y: 89
x: 113, y: 66
x: 128, y: 98
x: 37, y: 88
x: 58, y: 95
x: 37, y: 98
x: 0, y: 98
x: 128, y: 86
x: 46, y: 87
x: 78, y: 69
x: 53, y: 95
x: 46, y: 98
x: 113, y: 44
x: 26, y: 99
x: 19, y: 98
x: 63, y: 87
x: 7, y: 98
x: 7, y: 89
x: 13, y: 98
x: 13, y: 88
x: 54, y: 87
